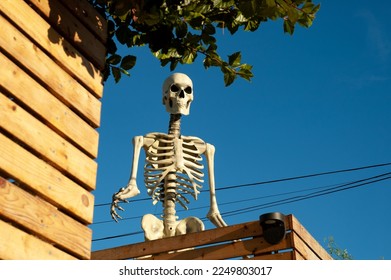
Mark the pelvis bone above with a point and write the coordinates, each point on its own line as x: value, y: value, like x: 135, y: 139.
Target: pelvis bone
x: 154, y: 228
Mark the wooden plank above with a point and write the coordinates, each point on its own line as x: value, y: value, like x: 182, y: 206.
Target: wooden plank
x: 56, y: 115
x: 229, y: 233
x: 303, y: 248
x: 63, y: 52
x: 48, y: 182
x: 56, y: 80
x: 50, y: 146
x: 90, y: 17
x: 297, y: 256
x: 44, y: 220
x: 18, y: 245
x: 277, y: 256
x: 225, y: 251
x: 308, y: 238
x: 71, y: 28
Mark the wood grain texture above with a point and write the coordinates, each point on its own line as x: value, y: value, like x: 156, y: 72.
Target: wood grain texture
x: 181, y: 242
x: 231, y: 242
x: 57, y: 46
x: 48, y: 144
x: 62, y: 20
x: 89, y: 17
x: 46, y: 71
x: 44, y: 220
x: 308, y: 239
x: 49, y: 183
x: 53, y: 112
x: 16, y: 244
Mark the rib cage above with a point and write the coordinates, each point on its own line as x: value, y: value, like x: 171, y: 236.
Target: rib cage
x: 169, y: 154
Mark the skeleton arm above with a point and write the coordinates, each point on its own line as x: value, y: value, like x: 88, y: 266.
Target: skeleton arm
x: 131, y: 189
x: 214, y: 214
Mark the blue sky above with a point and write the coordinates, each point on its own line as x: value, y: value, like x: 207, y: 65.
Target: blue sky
x: 319, y: 102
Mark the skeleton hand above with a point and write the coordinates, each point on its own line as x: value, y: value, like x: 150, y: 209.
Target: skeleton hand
x: 215, y: 217
x: 121, y: 196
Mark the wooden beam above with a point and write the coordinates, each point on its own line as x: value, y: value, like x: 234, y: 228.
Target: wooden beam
x: 45, y: 180
x: 241, y: 248
x: 62, y: 51
x: 44, y: 220
x: 42, y: 103
x: 304, y: 250
x: 221, y: 243
x: 55, y: 79
x: 308, y: 239
x: 180, y: 242
x: 48, y: 144
x: 16, y: 244
x: 274, y: 257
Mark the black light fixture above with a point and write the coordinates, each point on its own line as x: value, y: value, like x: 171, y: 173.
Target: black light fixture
x: 273, y: 226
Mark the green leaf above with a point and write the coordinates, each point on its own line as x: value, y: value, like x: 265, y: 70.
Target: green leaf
x: 122, y: 34
x: 209, y: 29
x: 223, y: 3
x: 248, y: 7
x: 188, y: 57
x: 173, y: 64
x: 293, y: 15
x: 229, y: 78
x: 288, y: 27
x: 114, y: 59
x: 245, y: 72
x: 128, y: 62
x: 181, y: 29
x: 116, y: 73
x: 234, y: 59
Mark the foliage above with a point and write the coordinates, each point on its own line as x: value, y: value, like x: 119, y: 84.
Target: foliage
x: 335, y: 252
x: 178, y: 31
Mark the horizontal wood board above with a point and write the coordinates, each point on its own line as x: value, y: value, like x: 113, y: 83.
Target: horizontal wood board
x: 54, y: 44
x: 238, y: 241
x: 46, y: 143
x: 63, y: 21
x: 47, y: 72
x: 15, y: 244
x: 44, y: 220
x: 36, y: 99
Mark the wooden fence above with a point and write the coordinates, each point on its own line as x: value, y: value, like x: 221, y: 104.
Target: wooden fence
x: 51, y: 56
x: 242, y: 241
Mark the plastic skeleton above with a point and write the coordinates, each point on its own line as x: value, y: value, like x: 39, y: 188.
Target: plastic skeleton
x: 172, y: 168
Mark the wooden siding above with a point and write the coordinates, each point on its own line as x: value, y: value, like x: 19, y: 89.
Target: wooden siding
x: 51, y: 56
x: 244, y: 241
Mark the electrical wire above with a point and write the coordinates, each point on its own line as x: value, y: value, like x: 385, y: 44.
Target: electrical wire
x: 325, y: 191
x: 225, y: 203
x: 342, y: 187
x: 278, y: 180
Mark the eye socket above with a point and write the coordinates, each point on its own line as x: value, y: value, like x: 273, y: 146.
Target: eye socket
x: 188, y: 90
x: 174, y: 88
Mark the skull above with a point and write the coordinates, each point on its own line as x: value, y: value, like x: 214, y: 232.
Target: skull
x: 178, y: 94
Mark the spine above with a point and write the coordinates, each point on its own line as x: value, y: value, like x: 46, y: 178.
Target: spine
x: 170, y: 188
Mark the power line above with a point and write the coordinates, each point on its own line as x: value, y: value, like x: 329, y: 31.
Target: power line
x: 224, y: 203
x: 342, y: 187
x: 277, y: 180
x: 117, y: 236
x: 330, y: 190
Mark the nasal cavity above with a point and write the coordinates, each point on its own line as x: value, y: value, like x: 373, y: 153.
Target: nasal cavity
x: 182, y: 94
